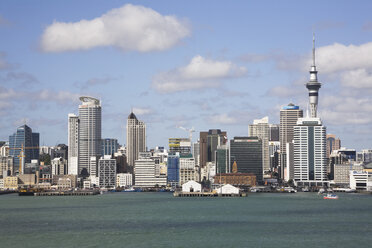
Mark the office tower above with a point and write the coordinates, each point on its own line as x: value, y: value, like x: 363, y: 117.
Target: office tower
x: 107, y: 172
x: 196, y: 152
x: 260, y: 129
x: 180, y: 145
x: 109, y: 146
x: 208, y: 145
x: 89, y: 132
x: 73, y: 144
x: 333, y: 143
x: 173, y: 170
x: 274, y: 148
x: 59, y: 166
x: 274, y: 132
x: 247, y: 153
x: 136, y: 138
x: 146, y: 172
x: 288, y: 119
x: 309, y: 143
x: 223, y: 159
x: 24, y: 137
x: 310, y: 150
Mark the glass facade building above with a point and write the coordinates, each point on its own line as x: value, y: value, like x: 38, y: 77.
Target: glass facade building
x: 173, y: 170
x: 30, y: 142
x: 109, y: 146
x: 247, y: 153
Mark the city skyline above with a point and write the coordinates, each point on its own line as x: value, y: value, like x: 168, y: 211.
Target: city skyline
x: 206, y: 73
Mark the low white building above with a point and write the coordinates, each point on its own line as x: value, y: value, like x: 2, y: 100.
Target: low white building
x: 361, y: 180
x: 124, y: 180
x: 228, y: 189
x: 191, y: 186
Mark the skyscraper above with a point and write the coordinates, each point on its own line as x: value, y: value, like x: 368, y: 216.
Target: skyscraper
x: 73, y: 144
x: 109, y: 146
x: 136, y: 138
x: 209, y: 141
x: 24, y: 137
x: 333, y: 143
x: 288, y: 119
x: 260, y: 129
x: 309, y: 144
x: 89, y: 132
x: 247, y: 153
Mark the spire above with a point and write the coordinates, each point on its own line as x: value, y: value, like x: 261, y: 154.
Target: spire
x: 314, y: 49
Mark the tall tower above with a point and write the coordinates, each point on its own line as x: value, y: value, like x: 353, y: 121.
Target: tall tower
x: 73, y: 144
x: 89, y: 132
x: 288, y: 119
x: 136, y: 138
x: 313, y: 86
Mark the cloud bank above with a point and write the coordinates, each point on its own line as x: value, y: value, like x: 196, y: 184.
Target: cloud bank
x: 130, y: 28
x: 199, y: 73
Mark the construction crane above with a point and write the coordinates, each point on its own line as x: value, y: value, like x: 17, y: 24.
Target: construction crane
x: 190, y: 130
x: 21, y: 156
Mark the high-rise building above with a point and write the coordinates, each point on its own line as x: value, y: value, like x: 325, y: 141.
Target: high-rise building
x: 187, y: 169
x: 147, y: 173
x: 288, y: 119
x: 136, y: 138
x: 29, y: 141
x: 333, y: 143
x: 247, y: 153
x: 109, y: 146
x: 173, y: 169
x: 309, y: 143
x: 89, y: 132
x: 209, y: 141
x: 107, y: 172
x: 180, y: 145
x: 274, y: 132
x: 73, y: 144
x: 260, y: 129
x: 223, y: 159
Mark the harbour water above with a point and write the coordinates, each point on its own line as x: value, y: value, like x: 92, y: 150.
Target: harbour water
x: 161, y: 220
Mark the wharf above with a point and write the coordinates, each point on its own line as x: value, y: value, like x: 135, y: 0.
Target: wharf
x: 66, y: 193
x: 4, y: 192
x: 206, y: 194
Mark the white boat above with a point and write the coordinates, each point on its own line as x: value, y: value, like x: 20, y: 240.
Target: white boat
x: 331, y: 196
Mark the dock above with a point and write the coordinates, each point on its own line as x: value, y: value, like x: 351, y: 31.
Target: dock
x: 206, y: 194
x: 66, y: 193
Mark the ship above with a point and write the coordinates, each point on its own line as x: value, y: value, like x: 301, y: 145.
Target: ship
x: 331, y: 196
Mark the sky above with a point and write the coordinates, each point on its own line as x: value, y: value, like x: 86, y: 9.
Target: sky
x: 201, y: 64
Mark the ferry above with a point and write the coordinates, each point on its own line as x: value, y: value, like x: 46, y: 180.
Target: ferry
x: 331, y: 196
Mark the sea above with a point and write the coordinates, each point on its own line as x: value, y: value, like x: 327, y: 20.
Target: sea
x: 139, y: 219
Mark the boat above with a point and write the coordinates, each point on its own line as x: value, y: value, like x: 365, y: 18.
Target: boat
x: 331, y: 196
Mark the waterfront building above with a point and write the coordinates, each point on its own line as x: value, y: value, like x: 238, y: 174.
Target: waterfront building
x: 188, y: 170
x: 107, y: 172
x: 89, y: 133
x: 65, y: 181
x: 180, y: 145
x: 146, y: 173
x: 109, y: 146
x: 6, y: 166
x: 23, y: 137
x: 361, y: 180
x: 288, y: 119
x: 173, y: 170
x: 191, y: 186
x: 124, y: 180
x: 73, y: 144
x: 208, y: 143
x: 247, y: 153
x: 260, y: 129
x: 340, y: 156
x: 333, y: 143
x: 136, y: 138
x: 236, y: 178
x: 59, y: 166
x: 27, y: 180
x: 228, y: 189
x: 342, y: 174
x: 11, y: 183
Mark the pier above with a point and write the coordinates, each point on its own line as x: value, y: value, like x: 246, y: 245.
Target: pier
x: 66, y: 193
x: 206, y: 194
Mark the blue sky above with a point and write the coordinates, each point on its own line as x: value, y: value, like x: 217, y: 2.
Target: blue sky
x: 201, y: 64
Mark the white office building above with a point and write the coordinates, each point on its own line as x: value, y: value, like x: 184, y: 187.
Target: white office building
x: 309, y: 150
x: 107, y: 172
x: 124, y: 180
x: 361, y: 180
x: 146, y: 174
x: 188, y: 170
x: 73, y: 144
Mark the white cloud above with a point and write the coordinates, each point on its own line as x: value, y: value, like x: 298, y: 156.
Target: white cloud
x: 199, y: 73
x: 222, y: 119
x: 130, y: 27
x: 61, y: 97
x: 358, y: 78
x: 142, y: 111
